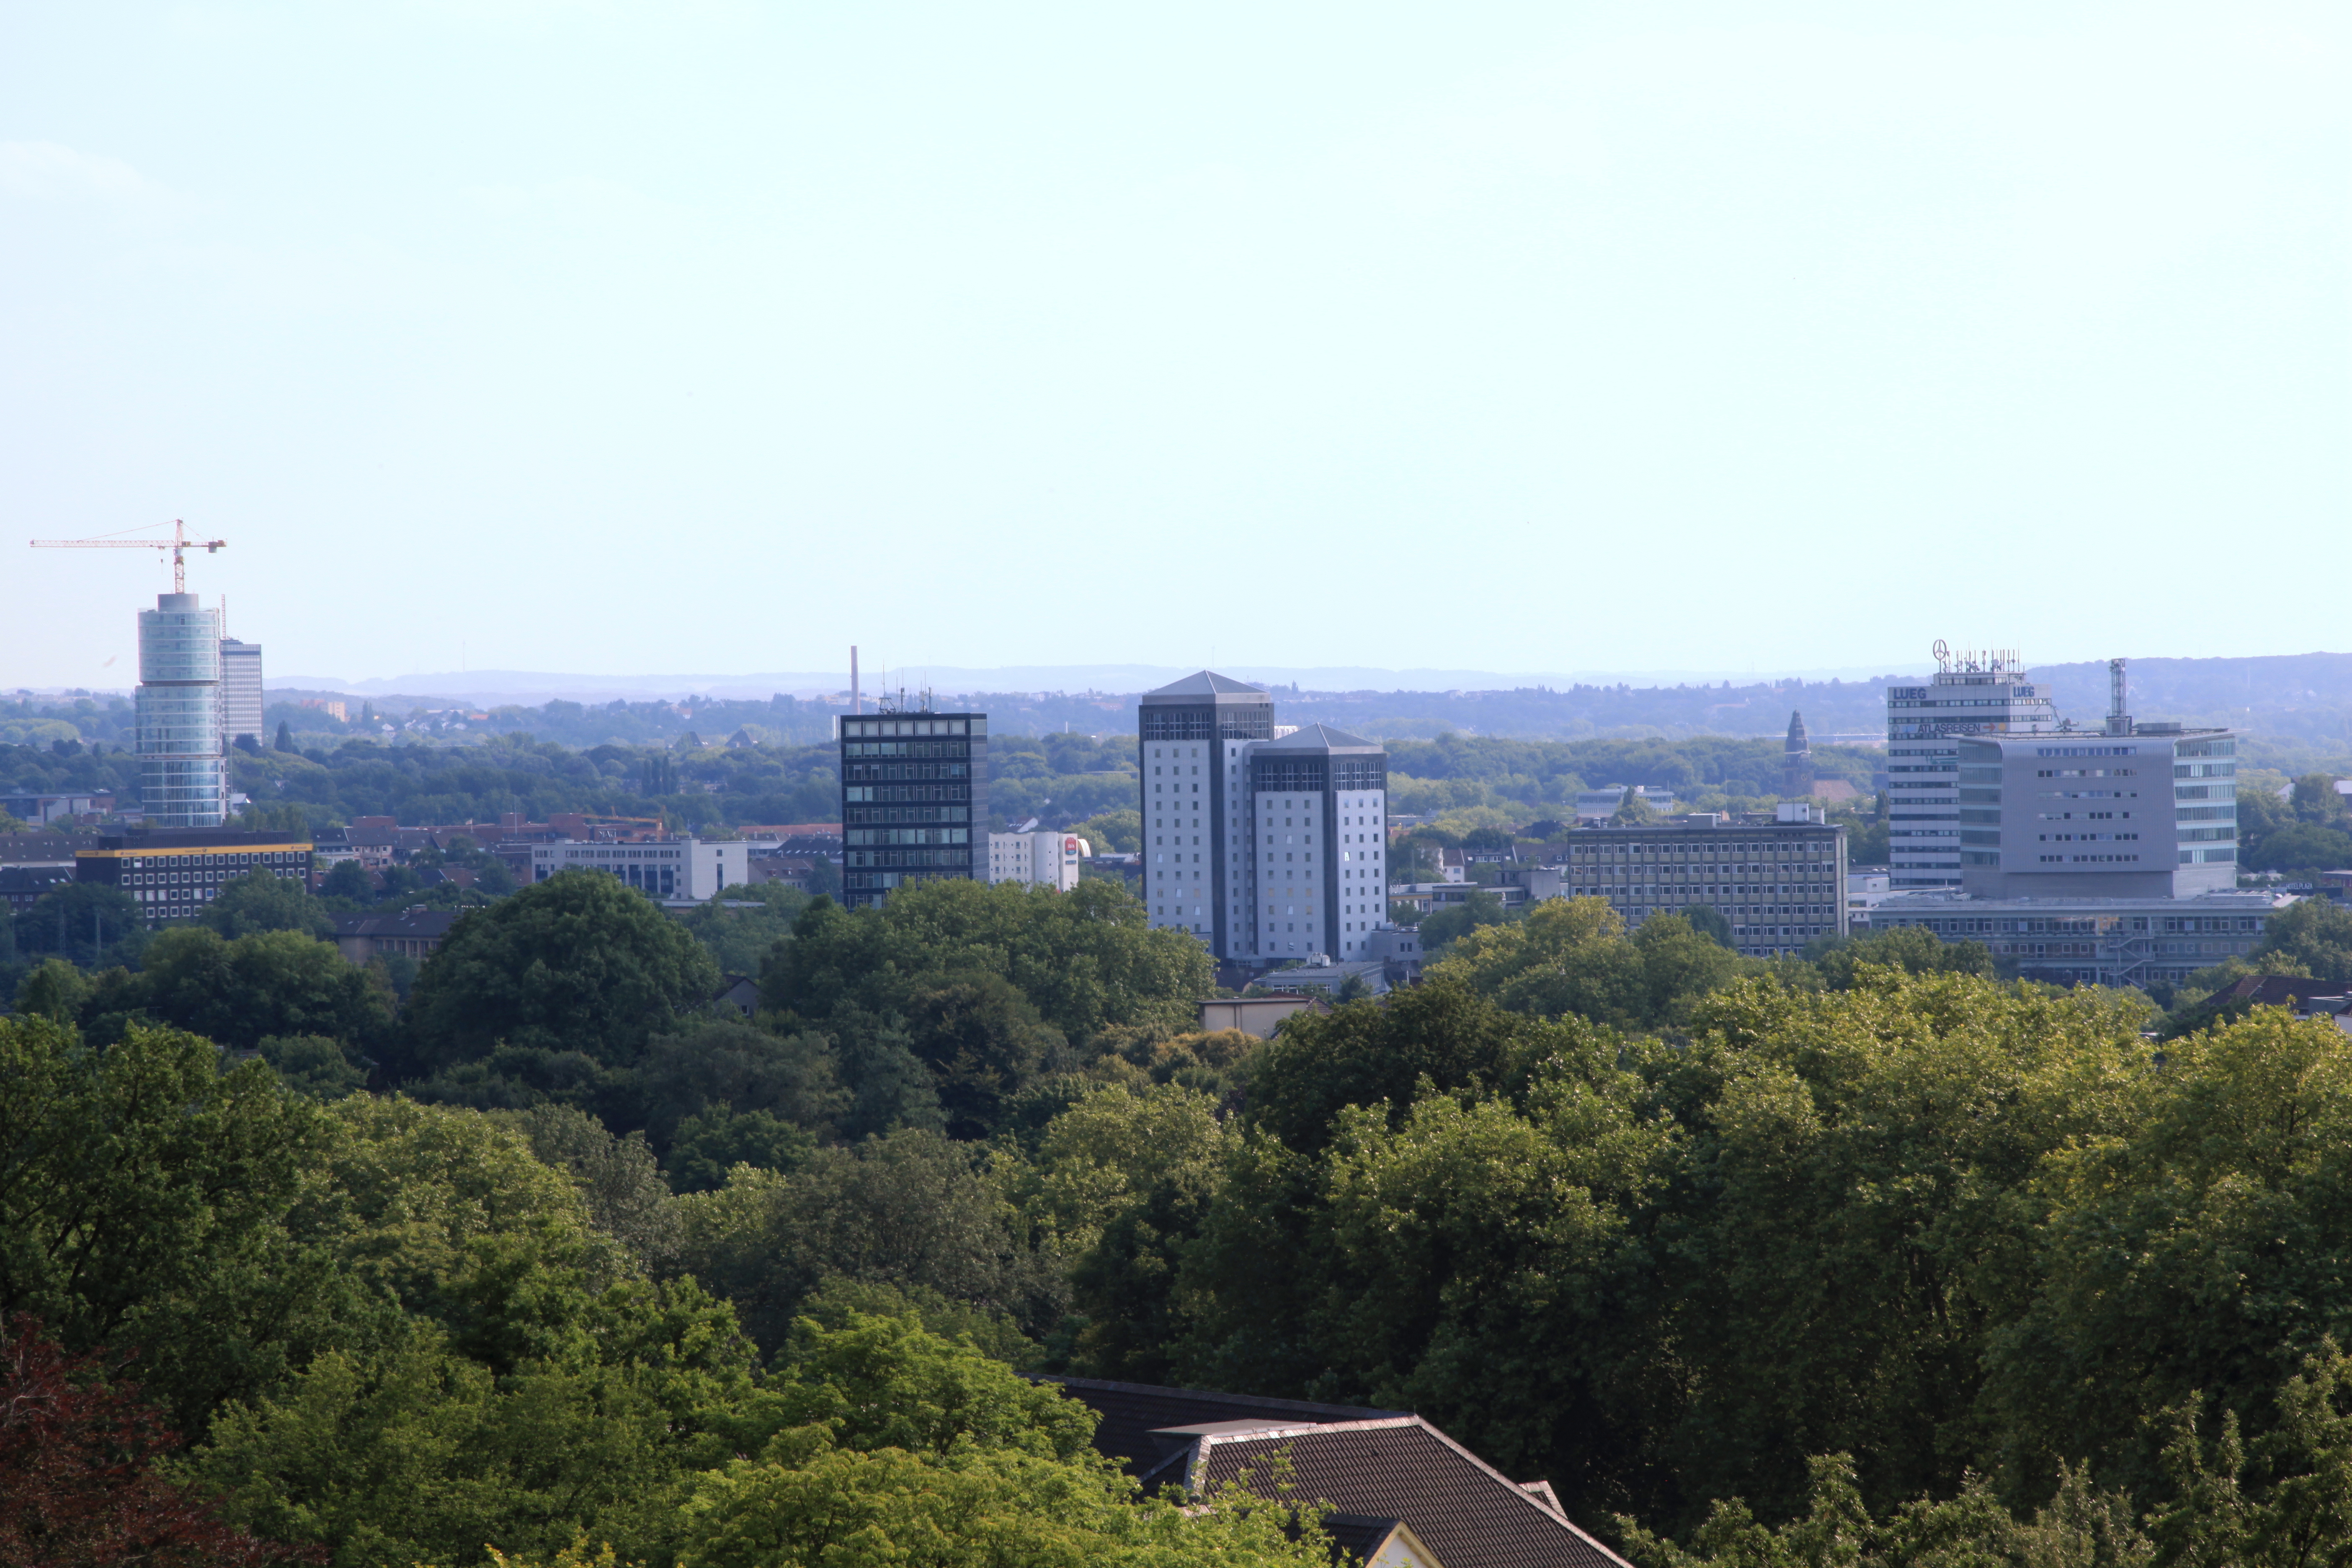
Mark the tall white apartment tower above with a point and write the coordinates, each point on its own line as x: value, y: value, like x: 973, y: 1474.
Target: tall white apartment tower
x: 1192, y: 734
x: 1263, y: 847
x: 241, y: 698
x: 1318, y: 805
x: 1971, y: 693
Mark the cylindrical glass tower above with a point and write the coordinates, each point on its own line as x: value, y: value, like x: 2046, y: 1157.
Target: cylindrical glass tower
x: 183, y: 774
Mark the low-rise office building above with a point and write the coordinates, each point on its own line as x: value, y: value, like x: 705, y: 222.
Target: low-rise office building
x: 1780, y: 885
x: 173, y: 872
x: 2093, y: 940
x: 416, y: 932
x: 1600, y: 805
x: 1040, y: 858
x: 672, y: 871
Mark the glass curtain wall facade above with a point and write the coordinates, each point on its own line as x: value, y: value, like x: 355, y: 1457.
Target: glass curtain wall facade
x: 183, y: 774
x: 914, y: 802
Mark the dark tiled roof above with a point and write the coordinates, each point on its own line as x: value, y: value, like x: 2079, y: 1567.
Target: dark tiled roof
x: 412, y: 922
x: 1131, y: 1412
x: 1207, y: 683
x: 1321, y: 738
x: 2282, y: 990
x: 1402, y: 1468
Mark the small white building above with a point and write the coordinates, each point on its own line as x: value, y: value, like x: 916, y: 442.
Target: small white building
x: 1600, y: 805
x: 1038, y: 858
x: 670, y: 870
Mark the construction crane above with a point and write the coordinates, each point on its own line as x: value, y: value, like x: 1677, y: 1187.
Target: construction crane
x: 177, y: 544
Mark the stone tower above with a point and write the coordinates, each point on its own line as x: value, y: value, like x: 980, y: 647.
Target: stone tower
x: 1796, y: 761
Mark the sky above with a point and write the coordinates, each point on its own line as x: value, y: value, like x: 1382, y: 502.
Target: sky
x: 626, y: 339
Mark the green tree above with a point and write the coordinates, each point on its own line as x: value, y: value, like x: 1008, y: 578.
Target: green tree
x: 285, y: 740
x: 1113, y: 832
x: 314, y: 1065
x: 733, y: 1064
x: 2311, y: 934
x: 1442, y: 929
x: 707, y: 1146
x: 413, y: 1451
x: 1709, y: 923
x: 259, y: 901
x: 273, y: 983
x: 88, y: 923
x: 576, y: 963
x: 2302, y: 846
x: 145, y: 1203
x: 1914, y: 951
x: 911, y: 1210
x: 348, y: 879
x: 1084, y: 959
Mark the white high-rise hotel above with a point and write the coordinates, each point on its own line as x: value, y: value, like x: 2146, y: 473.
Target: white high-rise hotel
x: 1263, y: 846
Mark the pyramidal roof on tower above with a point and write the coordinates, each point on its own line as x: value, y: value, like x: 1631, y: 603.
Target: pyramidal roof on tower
x: 1208, y: 686
x: 1321, y: 738
x: 1796, y: 732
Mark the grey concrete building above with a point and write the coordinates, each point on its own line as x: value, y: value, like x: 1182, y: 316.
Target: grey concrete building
x: 1779, y: 884
x: 2093, y: 940
x: 2148, y: 812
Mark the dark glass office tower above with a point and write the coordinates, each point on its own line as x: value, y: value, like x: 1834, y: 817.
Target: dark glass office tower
x: 914, y: 801
x: 1197, y: 846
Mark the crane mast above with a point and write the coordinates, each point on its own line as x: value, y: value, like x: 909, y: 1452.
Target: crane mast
x: 178, y: 544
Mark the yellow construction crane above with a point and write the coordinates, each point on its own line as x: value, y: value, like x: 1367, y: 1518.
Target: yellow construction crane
x: 178, y: 543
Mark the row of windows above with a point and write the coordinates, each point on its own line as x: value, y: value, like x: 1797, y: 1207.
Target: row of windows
x: 870, y: 729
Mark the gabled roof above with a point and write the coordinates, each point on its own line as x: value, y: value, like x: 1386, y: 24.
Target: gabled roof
x: 1320, y: 737
x: 1132, y: 1412
x: 1207, y: 686
x: 1401, y: 1467
x: 2283, y: 989
x: 1372, y: 1467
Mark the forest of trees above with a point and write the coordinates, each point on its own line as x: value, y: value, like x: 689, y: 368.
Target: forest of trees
x: 1861, y: 1258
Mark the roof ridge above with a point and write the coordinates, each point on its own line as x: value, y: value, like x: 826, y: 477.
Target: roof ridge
x: 1202, y: 1445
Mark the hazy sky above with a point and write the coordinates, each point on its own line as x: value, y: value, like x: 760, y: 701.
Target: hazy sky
x: 715, y: 337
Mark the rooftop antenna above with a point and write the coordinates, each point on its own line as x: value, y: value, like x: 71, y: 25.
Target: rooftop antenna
x: 177, y: 544
x: 857, y: 703
x: 2119, y: 720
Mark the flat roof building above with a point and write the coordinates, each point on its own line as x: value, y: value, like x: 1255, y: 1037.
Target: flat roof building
x: 171, y: 873
x: 1971, y: 693
x: 914, y: 801
x: 2141, y: 942
x: 668, y: 870
x: 2148, y: 811
x: 241, y: 695
x: 1779, y: 884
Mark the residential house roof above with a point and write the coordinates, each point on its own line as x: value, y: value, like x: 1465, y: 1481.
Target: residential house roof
x: 1400, y: 1466
x: 1375, y: 1468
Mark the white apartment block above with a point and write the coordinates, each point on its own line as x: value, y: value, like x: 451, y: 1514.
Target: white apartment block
x: 1261, y: 845
x: 1039, y: 858
x: 1970, y: 693
x: 669, y: 870
x: 241, y: 694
